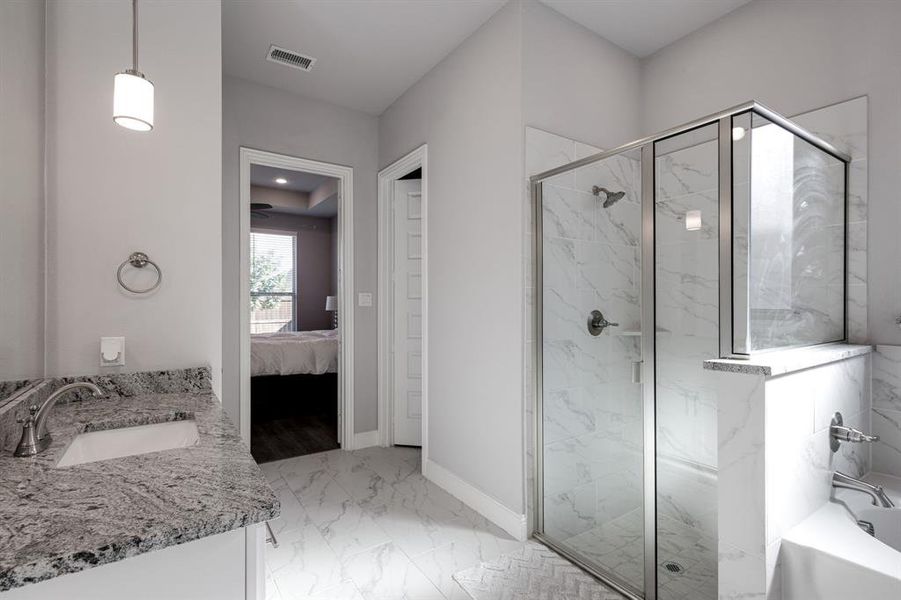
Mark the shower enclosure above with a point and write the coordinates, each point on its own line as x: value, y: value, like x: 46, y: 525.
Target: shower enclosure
x: 721, y: 238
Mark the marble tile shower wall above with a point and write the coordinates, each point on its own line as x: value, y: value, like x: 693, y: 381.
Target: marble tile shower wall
x: 887, y: 410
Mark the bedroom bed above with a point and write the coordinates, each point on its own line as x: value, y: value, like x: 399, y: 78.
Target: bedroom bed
x: 294, y: 353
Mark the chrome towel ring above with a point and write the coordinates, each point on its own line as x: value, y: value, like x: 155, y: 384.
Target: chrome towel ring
x: 139, y: 260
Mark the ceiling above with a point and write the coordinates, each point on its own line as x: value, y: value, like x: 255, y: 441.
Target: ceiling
x: 326, y: 209
x: 298, y: 181
x: 643, y: 27
x: 368, y: 51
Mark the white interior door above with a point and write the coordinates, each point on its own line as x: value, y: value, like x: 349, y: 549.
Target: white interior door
x: 407, y: 339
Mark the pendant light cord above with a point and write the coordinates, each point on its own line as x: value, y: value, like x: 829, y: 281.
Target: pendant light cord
x: 134, y: 35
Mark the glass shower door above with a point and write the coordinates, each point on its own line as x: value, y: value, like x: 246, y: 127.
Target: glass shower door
x: 686, y: 218
x: 591, y: 491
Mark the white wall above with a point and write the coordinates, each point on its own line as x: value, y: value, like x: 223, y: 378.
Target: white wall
x: 795, y: 56
x: 469, y: 111
x: 575, y: 83
x: 111, y: 191
x: 517, y: 70
x: 268, y: 119
x: 21, y: 189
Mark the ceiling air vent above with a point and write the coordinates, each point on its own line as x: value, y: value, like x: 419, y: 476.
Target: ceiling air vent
x: 290, y: 58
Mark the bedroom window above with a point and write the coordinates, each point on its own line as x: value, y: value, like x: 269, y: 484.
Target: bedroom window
x: 273, y: 281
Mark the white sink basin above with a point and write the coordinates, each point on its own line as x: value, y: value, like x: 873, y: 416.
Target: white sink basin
x: 128, y: 441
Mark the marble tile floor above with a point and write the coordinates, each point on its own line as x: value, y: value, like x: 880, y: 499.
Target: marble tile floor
x: 366, y: 525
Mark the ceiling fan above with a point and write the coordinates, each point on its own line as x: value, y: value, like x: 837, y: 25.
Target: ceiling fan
x: 258, y: 209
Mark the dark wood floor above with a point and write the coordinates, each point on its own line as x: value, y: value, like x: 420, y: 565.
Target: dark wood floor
x: 292, y: 436
x: 293, y: 415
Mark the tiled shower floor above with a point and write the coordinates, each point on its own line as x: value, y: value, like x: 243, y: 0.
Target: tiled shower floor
x: 618, y: 547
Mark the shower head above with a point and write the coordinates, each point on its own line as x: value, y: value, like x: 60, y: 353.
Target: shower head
x: 610, y: 198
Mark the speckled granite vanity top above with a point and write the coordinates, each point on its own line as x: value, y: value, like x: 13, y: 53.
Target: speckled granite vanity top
x: 55, y: 521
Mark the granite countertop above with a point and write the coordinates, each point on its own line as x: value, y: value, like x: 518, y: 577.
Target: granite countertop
x: 55, y: 521
x: 781, y: 362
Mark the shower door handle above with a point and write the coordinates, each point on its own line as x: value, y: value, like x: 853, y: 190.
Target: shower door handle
x: 597, y: 323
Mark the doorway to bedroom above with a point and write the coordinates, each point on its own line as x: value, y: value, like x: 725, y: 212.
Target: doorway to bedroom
x: 294, y: 391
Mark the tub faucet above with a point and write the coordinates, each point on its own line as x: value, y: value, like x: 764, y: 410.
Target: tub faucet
x: 880, y: 498
x: 35, y: 437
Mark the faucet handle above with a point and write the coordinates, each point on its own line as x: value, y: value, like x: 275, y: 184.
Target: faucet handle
x: 839, y: 432
x: 850, y: 434
x: 29, y: 420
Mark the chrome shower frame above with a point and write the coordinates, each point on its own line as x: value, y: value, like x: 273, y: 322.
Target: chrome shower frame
x: 645, y: 146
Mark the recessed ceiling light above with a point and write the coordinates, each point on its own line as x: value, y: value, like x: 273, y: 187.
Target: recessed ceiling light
x: 281, y: 180
x: 738, y: 133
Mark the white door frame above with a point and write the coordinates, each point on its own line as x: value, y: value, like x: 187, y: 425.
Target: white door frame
x: 387, y: 177
x: 251, y: 156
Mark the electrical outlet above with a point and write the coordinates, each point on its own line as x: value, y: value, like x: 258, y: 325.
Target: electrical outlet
x: 364, y: 299
x: 112, y: 352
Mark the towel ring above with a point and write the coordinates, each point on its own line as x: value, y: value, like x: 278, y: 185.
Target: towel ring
x: 139, y: 260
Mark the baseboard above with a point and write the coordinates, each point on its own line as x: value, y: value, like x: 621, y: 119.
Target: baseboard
x: 366, y: 439
x: 508, y: 520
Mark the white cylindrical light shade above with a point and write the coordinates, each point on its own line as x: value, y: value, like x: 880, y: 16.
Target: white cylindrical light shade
x: 133, y: 101
x: 331, y: 303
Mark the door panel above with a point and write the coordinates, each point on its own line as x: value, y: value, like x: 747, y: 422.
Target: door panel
x: 407, y: 296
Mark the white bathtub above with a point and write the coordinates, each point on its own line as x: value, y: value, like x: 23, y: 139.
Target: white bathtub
x: 829, y: 557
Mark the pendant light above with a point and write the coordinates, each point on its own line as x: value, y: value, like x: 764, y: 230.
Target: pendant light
x: 132, y: 92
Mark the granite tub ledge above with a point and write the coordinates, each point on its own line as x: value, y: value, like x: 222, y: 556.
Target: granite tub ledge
x: 782, y: 362
x: 65, y: 520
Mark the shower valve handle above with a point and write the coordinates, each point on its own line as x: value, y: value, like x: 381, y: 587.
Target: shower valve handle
x: 839, y: 432
x: 597, y: 323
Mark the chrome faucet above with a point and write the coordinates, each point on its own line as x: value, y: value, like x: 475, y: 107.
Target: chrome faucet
x: 35, y: 437
x: 880, y: 498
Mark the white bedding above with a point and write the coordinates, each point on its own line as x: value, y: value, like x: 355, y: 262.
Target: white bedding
x: 294, y: 353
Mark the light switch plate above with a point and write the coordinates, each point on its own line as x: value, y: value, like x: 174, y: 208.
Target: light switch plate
x: 112, y: 352
x: 364, y: 299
